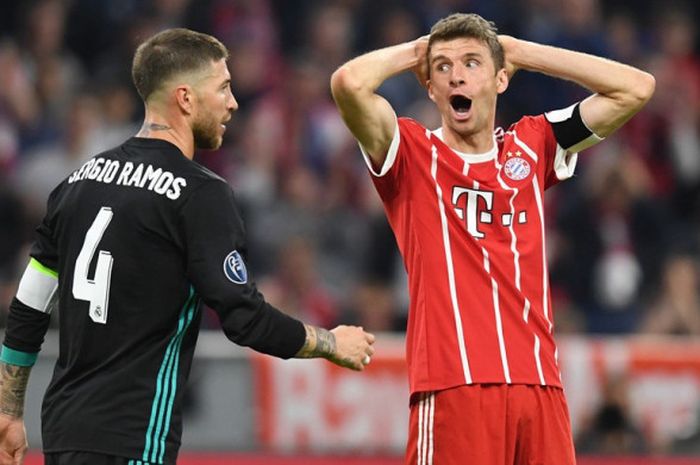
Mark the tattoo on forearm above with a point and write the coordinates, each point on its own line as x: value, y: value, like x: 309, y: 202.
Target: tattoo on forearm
x: 319, y: 343
x: 13, y: 387
x: 326, y: 342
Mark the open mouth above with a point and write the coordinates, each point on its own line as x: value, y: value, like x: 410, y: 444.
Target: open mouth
x: 460, y: 103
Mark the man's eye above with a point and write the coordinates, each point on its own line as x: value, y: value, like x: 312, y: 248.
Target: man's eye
x: 472, y: 64
x: 443, y: 67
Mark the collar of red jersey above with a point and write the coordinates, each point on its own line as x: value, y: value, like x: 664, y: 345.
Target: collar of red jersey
x: 471, y: 157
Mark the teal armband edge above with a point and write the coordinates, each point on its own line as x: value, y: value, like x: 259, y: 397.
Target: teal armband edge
x: 16, y: 357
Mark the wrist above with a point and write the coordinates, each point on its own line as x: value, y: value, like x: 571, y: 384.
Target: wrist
x: 319, y: 343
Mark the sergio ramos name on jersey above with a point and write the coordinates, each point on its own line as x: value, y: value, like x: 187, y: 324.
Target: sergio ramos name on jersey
x: 143, y: 176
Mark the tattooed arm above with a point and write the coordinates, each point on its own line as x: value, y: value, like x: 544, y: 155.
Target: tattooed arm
x: 346, y: 346
x: 13, y: 387
x: 13, y: 438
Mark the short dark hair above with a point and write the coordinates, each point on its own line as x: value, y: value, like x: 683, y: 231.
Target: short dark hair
x: 171, y: 52
x: 470, y: 25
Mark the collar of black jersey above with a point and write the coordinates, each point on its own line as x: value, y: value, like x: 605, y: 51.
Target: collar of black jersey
x: 152, y: 143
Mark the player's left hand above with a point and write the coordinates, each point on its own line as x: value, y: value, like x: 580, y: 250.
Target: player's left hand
x: 13, y: 440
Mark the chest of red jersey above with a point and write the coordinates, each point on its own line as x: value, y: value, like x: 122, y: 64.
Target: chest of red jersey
x: 489, y: 198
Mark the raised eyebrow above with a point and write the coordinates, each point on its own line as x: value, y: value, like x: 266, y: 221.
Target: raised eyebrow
x: 439, y: 57
x: 472, y: 55
x: 465, y: 56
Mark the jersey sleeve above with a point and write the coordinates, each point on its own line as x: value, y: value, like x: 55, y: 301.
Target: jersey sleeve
x: 217, y: 267
x: 389, y: 177
x: 535, y: 135
x: 29, y: 315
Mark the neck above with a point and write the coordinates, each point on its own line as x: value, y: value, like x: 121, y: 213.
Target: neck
x: 479, y: 142
x: 158, y: 126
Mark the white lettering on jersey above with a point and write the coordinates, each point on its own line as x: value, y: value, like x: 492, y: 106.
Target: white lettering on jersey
x: 126, y: 171
x: 136, y: 176
x: 96, y: 168
x: 176, y: 188
x: 110, y: 172
x: 141, y: 176
x: 151, y: 175
x: 164, y: 182
x: 88, y: 167
x: 473, y: 213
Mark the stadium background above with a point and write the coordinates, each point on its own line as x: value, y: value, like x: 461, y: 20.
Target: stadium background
x: 623, y: 237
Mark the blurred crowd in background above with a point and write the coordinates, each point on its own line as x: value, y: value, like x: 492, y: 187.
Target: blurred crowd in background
x: 623, y: 237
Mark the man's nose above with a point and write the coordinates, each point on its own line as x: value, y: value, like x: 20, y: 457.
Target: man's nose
x: 457, y: 77
x: 232, y: 104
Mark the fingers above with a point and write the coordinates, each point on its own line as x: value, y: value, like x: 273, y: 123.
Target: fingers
x: 354, y: 349
x: 7, y: 459
x: 19, y: 456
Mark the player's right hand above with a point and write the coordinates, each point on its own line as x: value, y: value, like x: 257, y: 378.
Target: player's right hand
x: 353, y: 347
x: 13, y: 440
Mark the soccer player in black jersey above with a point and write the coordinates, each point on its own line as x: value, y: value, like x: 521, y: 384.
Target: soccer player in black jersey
x: 131, y: 244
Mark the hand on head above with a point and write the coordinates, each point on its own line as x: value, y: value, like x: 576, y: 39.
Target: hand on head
x: 421, y: 69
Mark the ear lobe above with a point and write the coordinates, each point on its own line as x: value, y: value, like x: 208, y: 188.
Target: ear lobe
x: 429, y: 86
x: 502, y: 81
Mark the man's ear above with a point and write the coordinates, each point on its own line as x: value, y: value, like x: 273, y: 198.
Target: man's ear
x: 429, y: 85
x: 502, y: 80
x: 184, y: 96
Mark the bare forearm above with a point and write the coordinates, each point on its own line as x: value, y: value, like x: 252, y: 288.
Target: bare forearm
x: 597, y: 74
x: 369, y: 116
x: 368, y: 72
x: 619, y: 90
x: 13, y: 388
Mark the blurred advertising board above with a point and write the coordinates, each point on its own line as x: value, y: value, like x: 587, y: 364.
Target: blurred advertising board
x: 313, y: 406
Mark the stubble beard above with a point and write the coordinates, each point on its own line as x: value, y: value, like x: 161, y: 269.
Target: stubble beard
x: 206, y: 134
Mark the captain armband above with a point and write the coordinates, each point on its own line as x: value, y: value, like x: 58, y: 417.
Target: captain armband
x: 570, y: 130
x: 28, y: 319
x: 38, y: 287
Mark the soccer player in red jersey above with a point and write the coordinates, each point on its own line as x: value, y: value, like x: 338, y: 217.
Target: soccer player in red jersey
x: 466, y: 206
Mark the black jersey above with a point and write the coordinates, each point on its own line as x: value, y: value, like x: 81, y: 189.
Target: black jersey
x: 138, y: 236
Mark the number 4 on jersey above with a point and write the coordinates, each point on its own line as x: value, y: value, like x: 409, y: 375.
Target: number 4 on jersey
x: 96, y: 290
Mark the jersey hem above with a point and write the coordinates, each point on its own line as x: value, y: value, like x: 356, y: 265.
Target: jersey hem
x: 438, y: 388
x: 136, y: 456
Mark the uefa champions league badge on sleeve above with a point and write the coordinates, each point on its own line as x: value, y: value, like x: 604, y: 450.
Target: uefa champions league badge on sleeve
x: 234, y: 268
x: 516, y: 167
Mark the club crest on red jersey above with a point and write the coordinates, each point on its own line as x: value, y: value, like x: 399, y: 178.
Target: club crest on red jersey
x: 517, y: 168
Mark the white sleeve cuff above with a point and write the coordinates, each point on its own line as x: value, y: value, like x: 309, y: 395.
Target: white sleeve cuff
x: 564, y: 163
x: 587, y: 142
x: 390, y: 154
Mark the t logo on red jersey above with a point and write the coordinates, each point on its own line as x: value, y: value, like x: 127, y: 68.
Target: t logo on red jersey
x: 476, y: 211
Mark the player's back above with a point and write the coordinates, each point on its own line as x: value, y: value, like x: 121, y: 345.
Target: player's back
x: 128, y: 313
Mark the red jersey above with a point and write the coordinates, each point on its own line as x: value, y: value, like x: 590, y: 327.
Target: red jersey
x: 470, y: 228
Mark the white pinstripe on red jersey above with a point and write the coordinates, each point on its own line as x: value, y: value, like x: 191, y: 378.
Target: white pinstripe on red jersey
x: 471, y: 232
